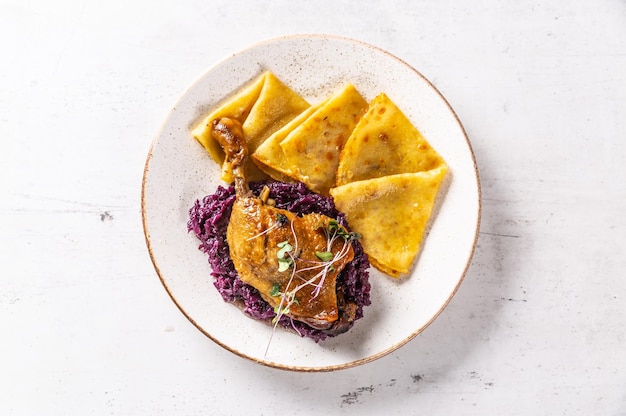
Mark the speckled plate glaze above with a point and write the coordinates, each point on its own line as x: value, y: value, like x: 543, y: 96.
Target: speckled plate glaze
x: 178, y: 171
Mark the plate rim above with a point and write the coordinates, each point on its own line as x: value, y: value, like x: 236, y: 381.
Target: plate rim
x: 325, y: 368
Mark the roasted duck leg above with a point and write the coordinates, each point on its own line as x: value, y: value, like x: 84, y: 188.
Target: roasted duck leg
x: 293, y: 261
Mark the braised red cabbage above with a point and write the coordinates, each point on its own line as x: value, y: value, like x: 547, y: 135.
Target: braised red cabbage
x: 208, y: 219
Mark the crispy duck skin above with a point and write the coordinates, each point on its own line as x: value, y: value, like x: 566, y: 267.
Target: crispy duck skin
x: 255, y: 231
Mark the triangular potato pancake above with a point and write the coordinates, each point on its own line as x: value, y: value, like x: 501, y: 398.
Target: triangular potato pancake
x: 391, y: 214
x: 269, y: 156
x: 262, y: 107
x: 276, y: 106
x: 312, y: 149
x: 237, y: 107
x: 384, y: 142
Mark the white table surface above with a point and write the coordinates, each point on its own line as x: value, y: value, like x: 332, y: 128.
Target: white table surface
x: 538, y: 326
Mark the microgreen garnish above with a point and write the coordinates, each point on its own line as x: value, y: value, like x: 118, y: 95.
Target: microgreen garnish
x: 278, y: 310
x: 275, y: 290
x: 324, y: 255
x: 335, y: 229
x: 284, y: 262
x: 281, y: 219
x: 288, y: 254
x: 284, y: 247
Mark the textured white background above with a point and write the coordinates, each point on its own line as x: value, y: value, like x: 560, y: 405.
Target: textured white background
x: 538, y: 326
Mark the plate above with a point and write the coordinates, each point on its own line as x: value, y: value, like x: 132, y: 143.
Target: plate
x: 178, y: 171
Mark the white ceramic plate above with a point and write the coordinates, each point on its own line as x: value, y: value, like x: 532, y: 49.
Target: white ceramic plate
x: 178, y: 171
